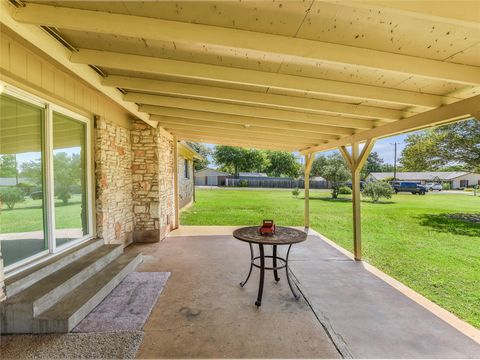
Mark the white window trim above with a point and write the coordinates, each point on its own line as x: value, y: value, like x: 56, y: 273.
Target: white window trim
x: 49, y: 108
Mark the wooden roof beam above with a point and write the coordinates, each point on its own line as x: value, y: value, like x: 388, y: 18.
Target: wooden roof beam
x: 249, y: 132
x: 253, y: 98
x: 229, y: 75
x: 265, y: 145
x: 182, y: 32
x: 265, y: 138
x: 457, y: 111
x: 158, y: 112
x: 333, y: 124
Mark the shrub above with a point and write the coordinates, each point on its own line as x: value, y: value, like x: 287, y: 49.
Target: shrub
x: 377, y: 190
x: 25, y: 187
x: 344, y: 190
x: 10, y: 196
x: 63, y: 193
x: 446, y: 186
x: 243, y: 183
x: 296, y: 192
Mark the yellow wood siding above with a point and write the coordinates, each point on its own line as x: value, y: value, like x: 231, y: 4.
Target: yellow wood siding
x: 28, y: 69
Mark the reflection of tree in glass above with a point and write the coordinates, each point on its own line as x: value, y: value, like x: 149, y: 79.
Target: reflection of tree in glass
x: 8, y: 166
x: 68, y: 173
x: 32, y: 171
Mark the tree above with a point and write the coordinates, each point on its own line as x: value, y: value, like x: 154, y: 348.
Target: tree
x: 317, y: 165
x: 374, y: 163
x: 282, y: 163
x: 8, y: 166
x: 334, y: 170
x: 235, y: 159
x: 67, y: 173
x: 377, y: 190
x: 10, y: 196
x: 32, y: 170
x: 421, y: 153
x: 448, y: 145
x: 204, y: 151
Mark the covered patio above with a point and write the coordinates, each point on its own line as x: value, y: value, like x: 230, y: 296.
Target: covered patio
x: 292, y: 76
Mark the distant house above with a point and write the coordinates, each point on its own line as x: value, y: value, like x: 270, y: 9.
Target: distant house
x: 456, y: 179
x: 210, y: 177
x: 185, y: 167
x: 11, y: 181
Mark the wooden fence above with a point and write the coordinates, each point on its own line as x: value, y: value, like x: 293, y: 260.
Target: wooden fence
x: 268, y: 182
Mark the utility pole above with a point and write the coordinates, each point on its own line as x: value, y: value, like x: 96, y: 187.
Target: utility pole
x: 395, y: 163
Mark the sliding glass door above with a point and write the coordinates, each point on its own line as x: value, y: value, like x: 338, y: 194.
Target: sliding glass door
x: 22, y: 209
x: 44, y: 178
x: 69, y: 178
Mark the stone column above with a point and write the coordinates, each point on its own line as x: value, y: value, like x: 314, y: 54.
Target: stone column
x: 113, y: 176
x: 152, y: 182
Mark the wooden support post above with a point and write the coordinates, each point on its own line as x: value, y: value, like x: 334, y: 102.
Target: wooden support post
x: 308, y: 166
x: 175, y: 183
x: 193, y: 181
x: 357, y: 225
x: 355, y: 162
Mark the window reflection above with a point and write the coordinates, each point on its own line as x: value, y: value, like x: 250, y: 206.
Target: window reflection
x: 69, y: 176
x: 22, y: 229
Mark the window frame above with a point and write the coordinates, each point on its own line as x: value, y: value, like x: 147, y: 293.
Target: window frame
x: 49, y: 108
x: 187, y: 171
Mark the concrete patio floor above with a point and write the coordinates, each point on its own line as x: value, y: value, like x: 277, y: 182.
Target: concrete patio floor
x: 346, y: 311
x: 204, y: 313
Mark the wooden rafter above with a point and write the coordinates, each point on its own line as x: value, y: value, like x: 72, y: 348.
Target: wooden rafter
x: 165, y: 30
x: 337, y: 124
x: 460, y: 110
x: 158, y: 112
x: 172, y: 122
x: 235, y: 96
x: 262, y: 79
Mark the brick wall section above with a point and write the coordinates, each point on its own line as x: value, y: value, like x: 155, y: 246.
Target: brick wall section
x: 152, y: 180
x: 185, y: 185
x: 113, y: 163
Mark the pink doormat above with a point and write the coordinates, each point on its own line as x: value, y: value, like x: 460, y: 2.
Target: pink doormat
x: 128, y: 306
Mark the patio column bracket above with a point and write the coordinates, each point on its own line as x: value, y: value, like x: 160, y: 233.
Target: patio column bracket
x: 355, y: 161
x: 308, y: 166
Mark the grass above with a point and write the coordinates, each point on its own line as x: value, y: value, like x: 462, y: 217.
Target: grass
x: 409, y: 237
x: 28, y: 216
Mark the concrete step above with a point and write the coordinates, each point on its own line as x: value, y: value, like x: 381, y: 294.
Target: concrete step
x: 69, y: 311
x: 19, y: 310
x: 18, y: 282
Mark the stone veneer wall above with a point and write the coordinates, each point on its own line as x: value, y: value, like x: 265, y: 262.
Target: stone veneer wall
x: 113, y: 163
x: 166, y: 181
x: 152, y: 182
x: 185, y: 185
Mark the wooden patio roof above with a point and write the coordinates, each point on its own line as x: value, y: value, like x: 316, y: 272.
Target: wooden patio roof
x: 289, y: 75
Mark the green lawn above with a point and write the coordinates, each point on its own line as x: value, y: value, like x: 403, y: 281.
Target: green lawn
x: 409, y: 237
x: 27, y: 216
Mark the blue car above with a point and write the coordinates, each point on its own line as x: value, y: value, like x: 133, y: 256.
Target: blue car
x: 409, y: 186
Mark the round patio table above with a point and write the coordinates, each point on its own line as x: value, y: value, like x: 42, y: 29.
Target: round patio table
x: 283, y: 236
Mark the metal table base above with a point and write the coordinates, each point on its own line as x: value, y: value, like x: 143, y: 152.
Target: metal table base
x: 274, y: 268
